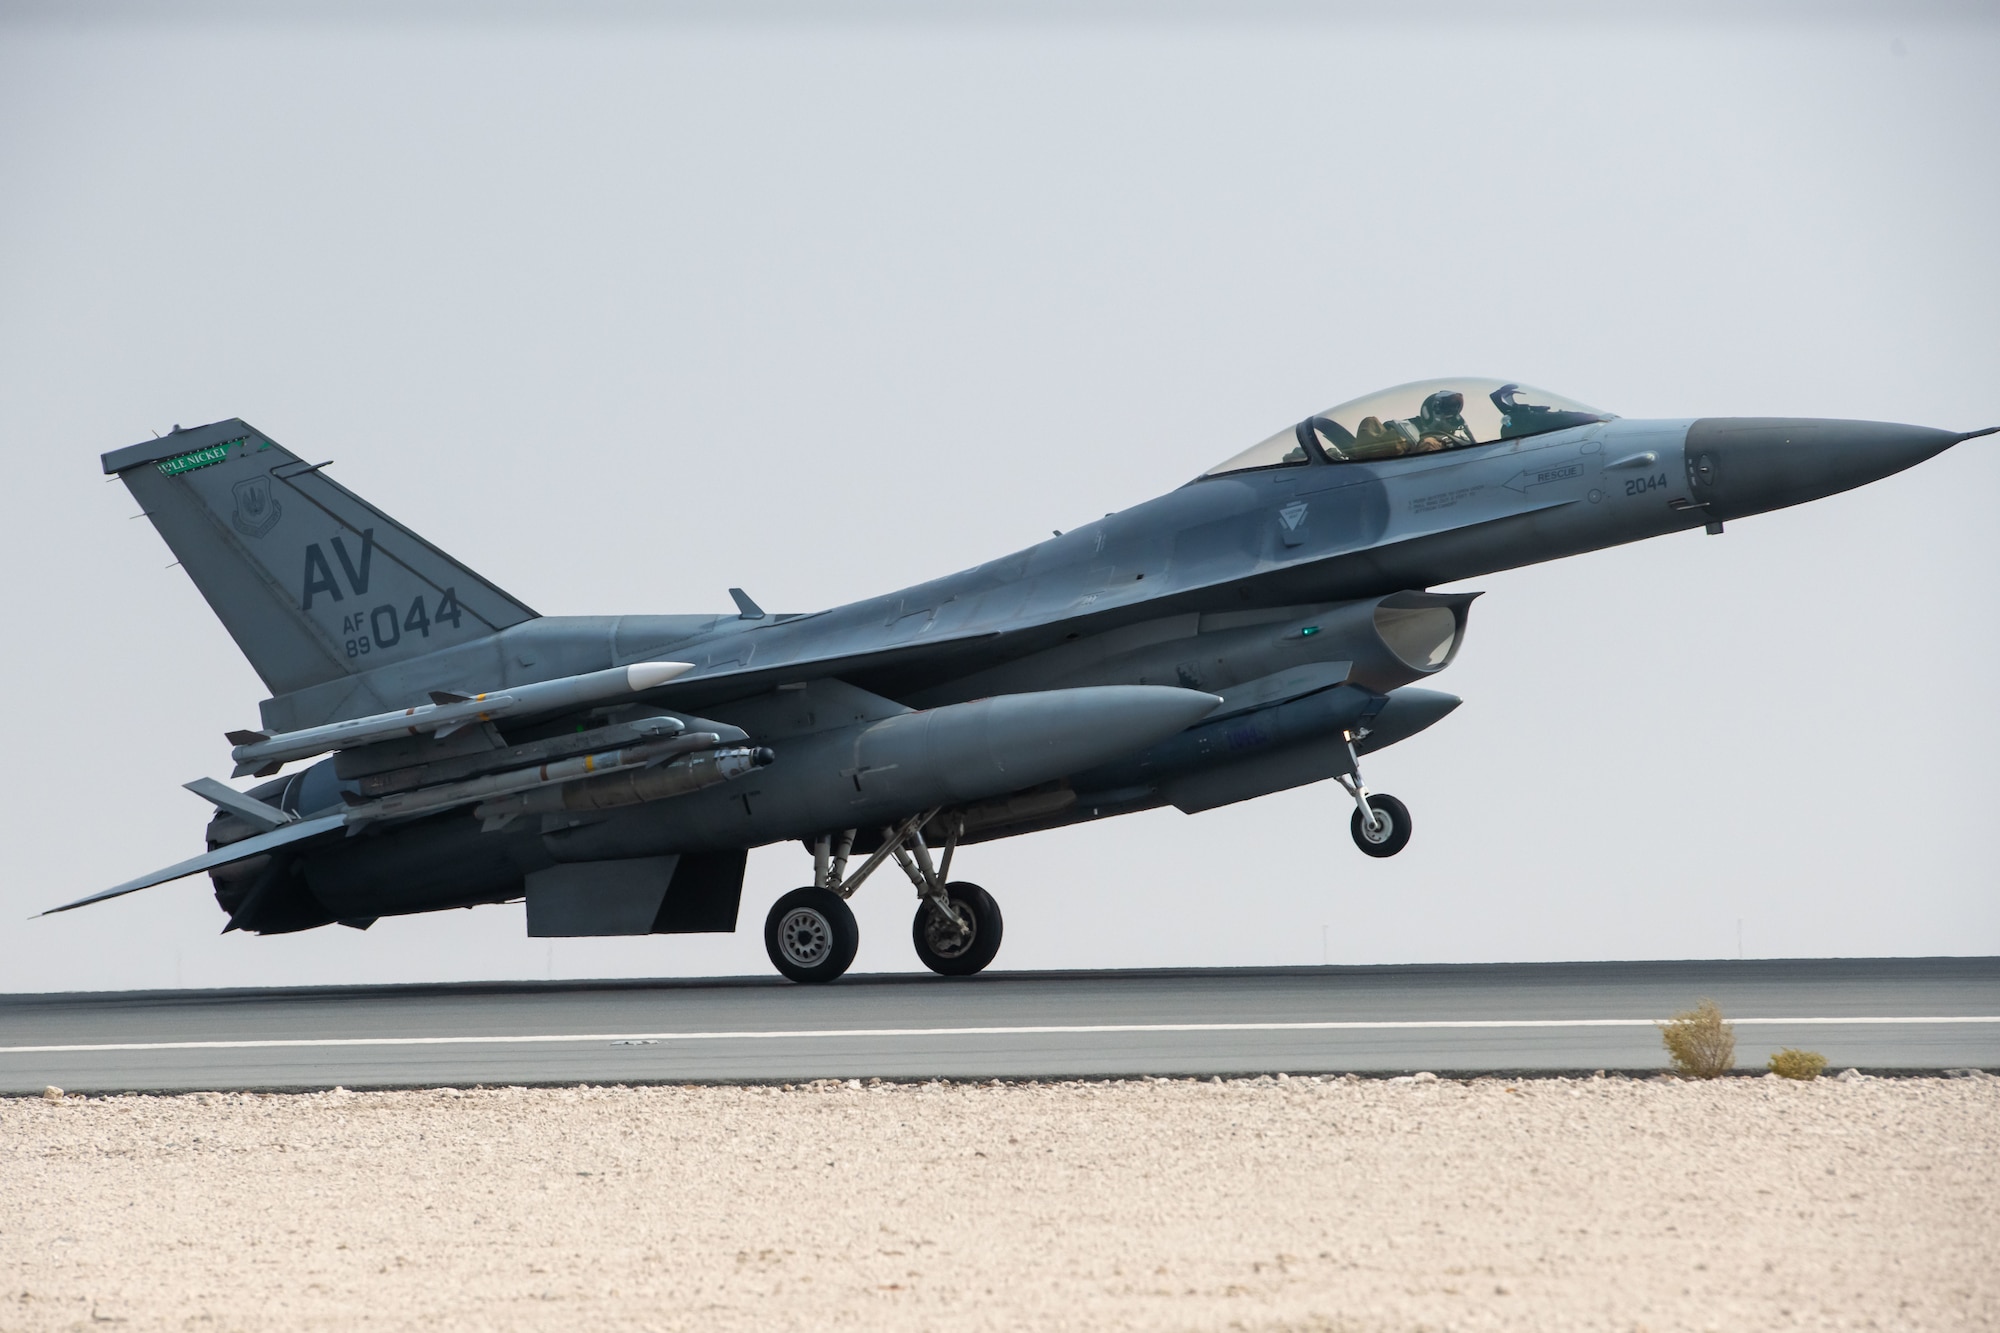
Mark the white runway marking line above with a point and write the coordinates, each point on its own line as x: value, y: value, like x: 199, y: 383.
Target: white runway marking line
x: 1047, y: 1030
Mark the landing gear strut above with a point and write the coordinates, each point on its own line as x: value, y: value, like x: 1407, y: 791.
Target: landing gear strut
x: 811, y: 934
x: 1381, y: 823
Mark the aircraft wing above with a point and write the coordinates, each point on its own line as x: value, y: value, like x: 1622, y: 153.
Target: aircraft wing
x: 221, y: 856
x: 846, y: 642
x: 697, y: 690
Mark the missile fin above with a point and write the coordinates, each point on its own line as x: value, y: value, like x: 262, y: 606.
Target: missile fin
x: 246, y: 737
x: 442, y: 697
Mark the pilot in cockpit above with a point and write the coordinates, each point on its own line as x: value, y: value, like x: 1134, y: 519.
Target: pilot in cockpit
x: 1439, y: 424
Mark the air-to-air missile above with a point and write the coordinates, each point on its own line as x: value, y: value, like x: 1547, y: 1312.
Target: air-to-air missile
x: 384, y: 774
x: 633, y: 783
x: 603, y: 763
x: 263, y: 753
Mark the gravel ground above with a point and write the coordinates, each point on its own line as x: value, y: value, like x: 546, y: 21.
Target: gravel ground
x: 1303, y: 1203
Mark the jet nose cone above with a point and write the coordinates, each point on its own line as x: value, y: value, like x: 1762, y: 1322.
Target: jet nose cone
x: 1746, y: 465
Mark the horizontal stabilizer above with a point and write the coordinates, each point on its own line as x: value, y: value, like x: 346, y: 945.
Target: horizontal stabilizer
x: 246, y: 808
x: 221, y: 856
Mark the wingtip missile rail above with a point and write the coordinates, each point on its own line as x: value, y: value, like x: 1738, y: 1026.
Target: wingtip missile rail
x: 262, y: 754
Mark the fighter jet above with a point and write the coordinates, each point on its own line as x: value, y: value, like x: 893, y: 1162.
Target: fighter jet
x: 1264, y: 626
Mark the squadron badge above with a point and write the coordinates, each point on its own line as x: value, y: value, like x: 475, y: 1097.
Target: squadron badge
x: 257, y: 510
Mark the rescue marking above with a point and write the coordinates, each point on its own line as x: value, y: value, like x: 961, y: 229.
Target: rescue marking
x: 1525, y: 480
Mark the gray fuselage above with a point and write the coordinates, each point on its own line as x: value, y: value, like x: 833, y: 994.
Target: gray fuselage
x: 1293, y: 592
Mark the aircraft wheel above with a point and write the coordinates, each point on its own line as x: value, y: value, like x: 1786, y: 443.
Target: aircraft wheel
x: 944, y: 948
x: 1391, y: 833
x: 810, y: 935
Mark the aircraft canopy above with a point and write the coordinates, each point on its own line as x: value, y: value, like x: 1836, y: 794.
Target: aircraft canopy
x: 1426, y: 417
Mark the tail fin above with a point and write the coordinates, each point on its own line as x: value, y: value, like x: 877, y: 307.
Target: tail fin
x: 312, y: 581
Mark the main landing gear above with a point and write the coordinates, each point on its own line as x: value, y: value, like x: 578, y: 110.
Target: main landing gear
x: 1380, y: 824
x: 811, y: 934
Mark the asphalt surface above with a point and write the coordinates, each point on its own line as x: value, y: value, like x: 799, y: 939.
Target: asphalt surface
x: 1903, y: 1014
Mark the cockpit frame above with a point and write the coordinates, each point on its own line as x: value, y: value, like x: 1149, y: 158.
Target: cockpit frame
x: 1423, y: 417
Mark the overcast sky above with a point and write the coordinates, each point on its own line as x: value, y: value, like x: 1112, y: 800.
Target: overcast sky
x: 624, y: 312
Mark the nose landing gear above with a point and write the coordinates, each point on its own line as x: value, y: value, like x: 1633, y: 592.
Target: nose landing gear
x: 811, y: 934
x: 1381, y: 823
x: 1389, y: 833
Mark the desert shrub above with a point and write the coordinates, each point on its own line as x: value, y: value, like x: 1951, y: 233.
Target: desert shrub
x: 1700, y: 1044
x: 1794, y: 1063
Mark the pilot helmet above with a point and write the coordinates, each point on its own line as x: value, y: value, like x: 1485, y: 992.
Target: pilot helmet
x: 1444, y: 403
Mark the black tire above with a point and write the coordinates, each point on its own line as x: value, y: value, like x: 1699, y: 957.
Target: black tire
x: 939, y: 945
x: 1389, y: 841
x: 811, y: 936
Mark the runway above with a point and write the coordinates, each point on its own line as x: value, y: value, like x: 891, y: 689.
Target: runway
x: 1876, y: 1014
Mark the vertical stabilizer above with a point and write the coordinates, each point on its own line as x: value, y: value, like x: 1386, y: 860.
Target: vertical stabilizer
x: 312, y: 581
